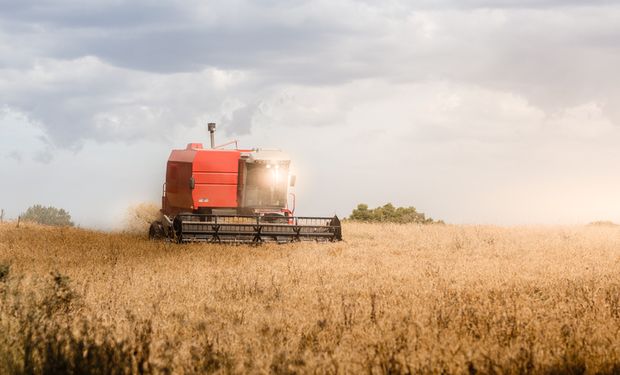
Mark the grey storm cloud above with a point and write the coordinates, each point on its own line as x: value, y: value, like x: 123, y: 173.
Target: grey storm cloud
x: 127, y: 70
x: 170, y: 37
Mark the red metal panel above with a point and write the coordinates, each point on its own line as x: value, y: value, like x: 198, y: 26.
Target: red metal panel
x: 216, y: 175
x: 178, y: 190
x: 223, y: 196
x: 185, y: 156
x: 217, y: 161
x: 215, y: 178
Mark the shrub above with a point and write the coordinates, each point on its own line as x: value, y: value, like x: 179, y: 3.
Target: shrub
x: 603, y: 223
x: 389, y: 214
x: 47, y: 216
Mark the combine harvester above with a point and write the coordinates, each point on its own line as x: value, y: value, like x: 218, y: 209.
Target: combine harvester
x: 233, y: 195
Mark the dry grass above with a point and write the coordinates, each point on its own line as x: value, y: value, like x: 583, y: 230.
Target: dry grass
x: 391, y: 299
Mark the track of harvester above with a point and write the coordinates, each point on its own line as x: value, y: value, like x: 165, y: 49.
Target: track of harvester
x: 250, y: 229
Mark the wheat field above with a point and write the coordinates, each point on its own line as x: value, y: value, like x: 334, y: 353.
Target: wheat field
x: 389, y: 299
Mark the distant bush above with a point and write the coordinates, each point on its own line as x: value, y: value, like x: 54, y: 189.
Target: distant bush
x: 390, y: 214
x: 47, y: 216
x: 603, y: 223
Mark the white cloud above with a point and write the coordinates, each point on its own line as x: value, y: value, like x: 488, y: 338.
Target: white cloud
x: 458, y: 152
x: 88, y: 99
x: 468, y: 109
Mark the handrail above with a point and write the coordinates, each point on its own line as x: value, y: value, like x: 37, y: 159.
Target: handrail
x: 227, y: 144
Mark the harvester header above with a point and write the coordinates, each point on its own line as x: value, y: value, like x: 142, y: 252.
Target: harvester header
x: 234, y: 195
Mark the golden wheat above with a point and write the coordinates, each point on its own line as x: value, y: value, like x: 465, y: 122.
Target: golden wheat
x: 389, y: 299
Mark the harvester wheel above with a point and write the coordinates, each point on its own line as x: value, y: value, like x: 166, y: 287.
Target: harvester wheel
x: 156, y: 231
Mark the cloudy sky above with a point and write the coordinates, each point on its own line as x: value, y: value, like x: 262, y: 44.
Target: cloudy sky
x: 473, y: 111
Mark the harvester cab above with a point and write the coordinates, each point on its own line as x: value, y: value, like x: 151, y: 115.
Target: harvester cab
x: 234, y: 195
x: 265, y: 180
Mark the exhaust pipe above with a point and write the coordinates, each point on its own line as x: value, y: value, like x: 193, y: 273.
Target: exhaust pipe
x: 211, y: 127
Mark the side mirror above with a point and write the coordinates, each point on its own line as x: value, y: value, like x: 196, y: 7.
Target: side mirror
x: 192, y: 183
x: 292, y: 180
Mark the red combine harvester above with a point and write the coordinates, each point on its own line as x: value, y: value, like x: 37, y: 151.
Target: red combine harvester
x: 233, y: 195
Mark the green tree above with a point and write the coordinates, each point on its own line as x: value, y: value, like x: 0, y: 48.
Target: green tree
x: 389, y: 214
x: 47, y: 215
x: 361, y: 213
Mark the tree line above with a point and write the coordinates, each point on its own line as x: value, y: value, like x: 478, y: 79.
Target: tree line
x: 390, y: 214
x: 47, y: 215
x: 387, y: 213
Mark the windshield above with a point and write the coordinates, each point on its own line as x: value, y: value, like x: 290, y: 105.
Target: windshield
x: 265, y: 184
